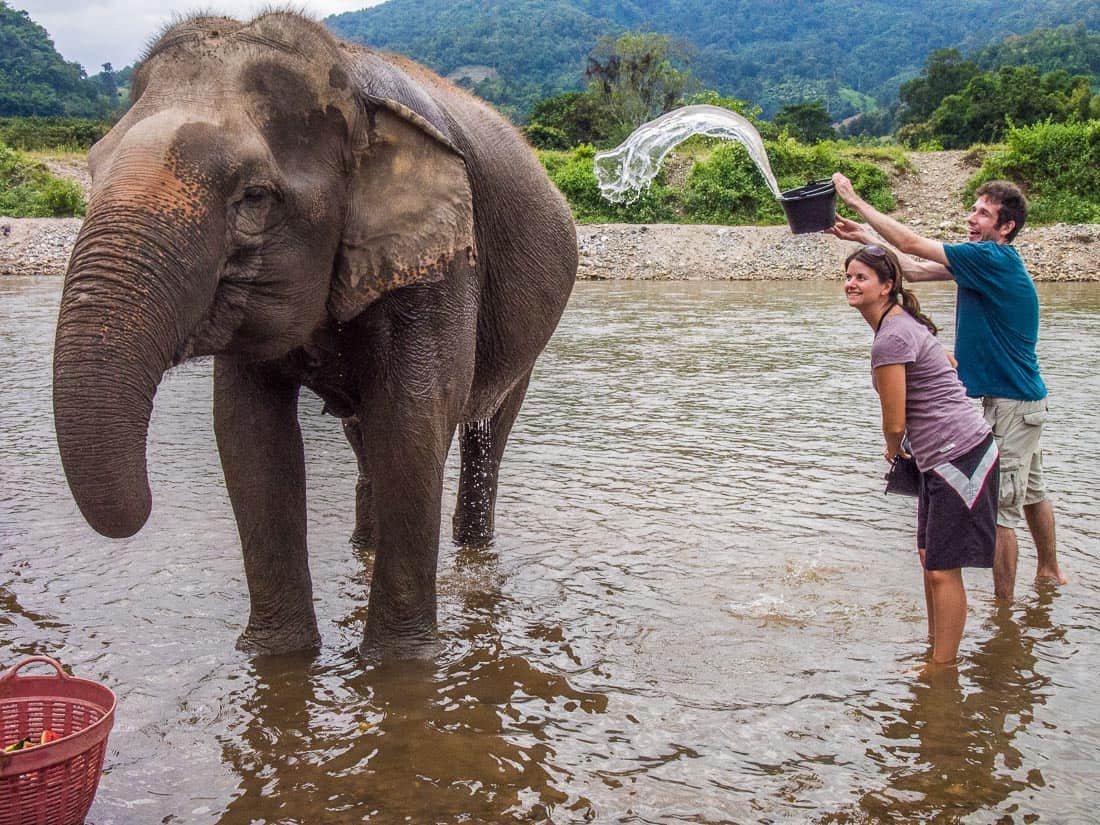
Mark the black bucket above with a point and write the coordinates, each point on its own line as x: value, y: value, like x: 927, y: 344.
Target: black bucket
x: 810, y: 208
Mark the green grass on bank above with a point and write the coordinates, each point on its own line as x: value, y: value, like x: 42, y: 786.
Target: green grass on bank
x: 75, y: 134
x: 29, y: 190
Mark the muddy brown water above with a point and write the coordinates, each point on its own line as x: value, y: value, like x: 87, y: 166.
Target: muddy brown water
x: 699, y: 607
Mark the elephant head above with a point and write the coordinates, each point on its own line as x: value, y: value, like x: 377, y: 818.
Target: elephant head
x: 260, y: 186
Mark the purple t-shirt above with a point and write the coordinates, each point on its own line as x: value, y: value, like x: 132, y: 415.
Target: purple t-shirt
x: 941, y: 422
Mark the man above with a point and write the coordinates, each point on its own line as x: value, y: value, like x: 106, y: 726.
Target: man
x: 997, y: 326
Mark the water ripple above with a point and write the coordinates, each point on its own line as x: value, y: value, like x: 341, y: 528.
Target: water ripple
x: 699, y: 607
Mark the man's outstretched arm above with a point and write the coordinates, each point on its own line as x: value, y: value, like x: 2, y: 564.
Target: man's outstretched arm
x: 896, y: 234
x: 914, y: 269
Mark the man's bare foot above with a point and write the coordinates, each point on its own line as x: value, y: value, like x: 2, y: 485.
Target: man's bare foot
x: 1053, y: 576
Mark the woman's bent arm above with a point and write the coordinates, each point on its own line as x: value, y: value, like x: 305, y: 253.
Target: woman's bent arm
x: 890, y: 382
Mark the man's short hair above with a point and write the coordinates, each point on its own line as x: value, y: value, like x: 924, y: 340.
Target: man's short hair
x: 1012, y: 205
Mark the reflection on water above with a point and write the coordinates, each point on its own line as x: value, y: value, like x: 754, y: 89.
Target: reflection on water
x: 949, y: 750
x: 699, y: 606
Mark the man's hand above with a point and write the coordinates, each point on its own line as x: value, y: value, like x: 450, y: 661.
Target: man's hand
x: 845, y: 189
x: 897, y: 235
x: 848, y: 230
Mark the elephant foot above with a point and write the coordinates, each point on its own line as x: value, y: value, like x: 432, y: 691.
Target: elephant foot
x: 363, y: 538
x: 473, y: 532
x: 267, y: 643
x: 411, y: 637
x: 426, y: 648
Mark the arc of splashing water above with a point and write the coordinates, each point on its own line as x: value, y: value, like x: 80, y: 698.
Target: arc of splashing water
x: 628, y: 169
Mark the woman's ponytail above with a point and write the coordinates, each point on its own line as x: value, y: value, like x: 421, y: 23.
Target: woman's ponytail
x: 911, y: 305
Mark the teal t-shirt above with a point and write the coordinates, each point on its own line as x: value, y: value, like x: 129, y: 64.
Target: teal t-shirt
x: 996, y: 321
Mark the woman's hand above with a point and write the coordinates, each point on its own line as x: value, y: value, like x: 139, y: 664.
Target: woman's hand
x: 892, y: 453
x: 848, y: 230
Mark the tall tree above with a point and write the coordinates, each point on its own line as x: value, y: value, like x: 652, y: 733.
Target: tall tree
x: 634, y: 78
x: 945, y: 73
x: 808, y: 122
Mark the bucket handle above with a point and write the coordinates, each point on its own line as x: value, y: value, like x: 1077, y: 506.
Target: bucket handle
x: 10, y: 675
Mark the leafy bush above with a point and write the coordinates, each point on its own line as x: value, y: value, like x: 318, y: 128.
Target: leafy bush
x: 728, y: 188
x: 572, y: 173
x: 1057, y: 164
x: 546, y: 137
x: 724, y: 185
x: 29, y: 190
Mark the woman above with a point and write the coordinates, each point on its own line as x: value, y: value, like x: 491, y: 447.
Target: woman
x: 923, y: 399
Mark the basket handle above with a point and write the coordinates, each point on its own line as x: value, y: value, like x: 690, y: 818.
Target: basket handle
x: 10, y: 675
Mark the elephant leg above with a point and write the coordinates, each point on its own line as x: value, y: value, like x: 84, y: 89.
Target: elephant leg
x: 365, y: 533
x: 406, y: 456
x: 483, y: 445
x: 256, y: 423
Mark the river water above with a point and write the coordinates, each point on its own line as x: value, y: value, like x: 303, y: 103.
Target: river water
x: 699, y: 607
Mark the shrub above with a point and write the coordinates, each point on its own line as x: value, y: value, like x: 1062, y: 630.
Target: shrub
x: 546, y: 137
x: 572, y: 173
x: 1057, y: 164
x: 29, y: 190
x: 727, y: 188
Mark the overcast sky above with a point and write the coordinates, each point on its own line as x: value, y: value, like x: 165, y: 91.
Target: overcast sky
x: 94, y: 32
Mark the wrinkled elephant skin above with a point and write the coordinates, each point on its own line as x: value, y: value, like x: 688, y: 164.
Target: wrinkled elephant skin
x: 312, y: 214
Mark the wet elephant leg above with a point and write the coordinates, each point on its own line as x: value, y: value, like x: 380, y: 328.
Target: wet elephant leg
x: 365, y: 534
x: 405, y: 455
x: 256, y: 423
x: 483, y: 445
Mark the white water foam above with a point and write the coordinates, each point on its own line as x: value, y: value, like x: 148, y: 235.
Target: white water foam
x: 625, y: 171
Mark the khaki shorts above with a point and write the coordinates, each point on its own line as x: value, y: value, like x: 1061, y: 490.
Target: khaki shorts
x: 1018, y: 428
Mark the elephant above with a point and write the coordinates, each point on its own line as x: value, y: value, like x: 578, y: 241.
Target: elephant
x: 310, y: 213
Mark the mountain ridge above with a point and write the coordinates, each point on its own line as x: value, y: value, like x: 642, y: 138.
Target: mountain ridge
x: 769, y: 52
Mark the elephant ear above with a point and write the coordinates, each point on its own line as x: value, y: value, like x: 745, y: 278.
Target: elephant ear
x: 410, y: 208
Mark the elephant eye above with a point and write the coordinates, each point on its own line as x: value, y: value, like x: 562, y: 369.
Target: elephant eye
x: 255, y: 210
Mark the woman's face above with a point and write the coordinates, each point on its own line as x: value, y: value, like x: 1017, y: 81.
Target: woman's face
x: 862, y: 286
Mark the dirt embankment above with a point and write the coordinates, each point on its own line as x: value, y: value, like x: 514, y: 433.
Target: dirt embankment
x: 928, y: 200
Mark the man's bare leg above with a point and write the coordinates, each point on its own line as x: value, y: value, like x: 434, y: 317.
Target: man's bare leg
x: 1004, y: 563
x: 1040, y: 521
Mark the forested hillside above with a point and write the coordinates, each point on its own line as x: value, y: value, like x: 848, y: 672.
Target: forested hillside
x: 847, y: 53
x: 35, y: 80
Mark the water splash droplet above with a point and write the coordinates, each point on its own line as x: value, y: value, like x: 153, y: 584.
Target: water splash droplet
x: 625, y: 171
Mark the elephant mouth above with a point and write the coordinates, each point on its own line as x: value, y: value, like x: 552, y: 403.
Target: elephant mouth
x: 218, y: 325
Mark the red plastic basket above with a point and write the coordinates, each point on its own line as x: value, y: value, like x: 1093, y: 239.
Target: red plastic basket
x: 51, y: 784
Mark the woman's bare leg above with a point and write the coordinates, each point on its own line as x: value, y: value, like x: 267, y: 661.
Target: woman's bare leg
x: 948, y: 614
x: 928, y: 598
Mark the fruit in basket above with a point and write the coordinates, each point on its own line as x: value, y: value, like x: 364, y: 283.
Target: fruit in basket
x: 26, y: 742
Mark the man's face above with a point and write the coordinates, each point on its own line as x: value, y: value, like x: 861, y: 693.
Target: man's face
x: 981, y: 225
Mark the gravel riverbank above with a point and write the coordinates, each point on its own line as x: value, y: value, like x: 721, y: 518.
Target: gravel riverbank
x: 744, y: 253
x: 927, y: 200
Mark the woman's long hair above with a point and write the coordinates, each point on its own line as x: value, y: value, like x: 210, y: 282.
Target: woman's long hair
x: 887, y: 267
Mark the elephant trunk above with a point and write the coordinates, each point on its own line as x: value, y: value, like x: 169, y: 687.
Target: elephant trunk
x: 119, y: 328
